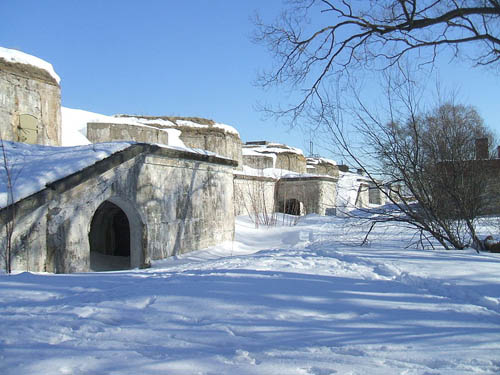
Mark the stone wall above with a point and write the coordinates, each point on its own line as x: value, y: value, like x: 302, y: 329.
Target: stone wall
x: 254, y: 196
x: 261, y: 161
x: 291, y: 162
x: 29, y: 95
x: 286, y: 157
x: 213, y: 139
x: 363, y: 198
x: 175, y: 202
x: 323, y: 168
x: 376, y: 196
x: 101, y: 132
x: 314, y: 194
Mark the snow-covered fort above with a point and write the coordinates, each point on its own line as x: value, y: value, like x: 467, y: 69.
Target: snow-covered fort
x: 84, y: 191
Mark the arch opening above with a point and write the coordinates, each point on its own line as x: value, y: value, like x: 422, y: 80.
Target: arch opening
x: 109, y: 239
x: 292, y: 207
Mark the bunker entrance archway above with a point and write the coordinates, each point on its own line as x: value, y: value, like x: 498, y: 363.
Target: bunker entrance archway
x: 291, y: 206
x: 110, y: 239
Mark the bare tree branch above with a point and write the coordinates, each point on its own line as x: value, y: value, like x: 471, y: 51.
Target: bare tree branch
x: 343, y: 36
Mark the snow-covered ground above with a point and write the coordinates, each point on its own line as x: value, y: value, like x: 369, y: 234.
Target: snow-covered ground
x: 304, y: 299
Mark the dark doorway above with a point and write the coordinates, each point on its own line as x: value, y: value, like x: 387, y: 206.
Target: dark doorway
x: 292, y: 207
x: 109, y: 239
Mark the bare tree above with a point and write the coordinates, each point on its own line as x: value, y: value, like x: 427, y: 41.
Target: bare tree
x: 315, y: 40
x: 421, y: 160
x: 10, y: 213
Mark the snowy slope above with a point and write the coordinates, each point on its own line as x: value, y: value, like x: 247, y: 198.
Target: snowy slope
x: 286, y: 300
x: 32, y: 167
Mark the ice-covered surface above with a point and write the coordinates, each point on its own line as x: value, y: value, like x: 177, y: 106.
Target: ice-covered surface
x: 15, y: 56
x: 74, y: 126
x: 32, y: 167
x: 295, y: 300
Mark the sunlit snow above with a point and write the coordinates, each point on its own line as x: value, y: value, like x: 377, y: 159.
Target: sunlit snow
x: 304, y: 299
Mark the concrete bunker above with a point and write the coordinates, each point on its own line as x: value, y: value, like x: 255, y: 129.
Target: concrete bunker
x: 115, y: 237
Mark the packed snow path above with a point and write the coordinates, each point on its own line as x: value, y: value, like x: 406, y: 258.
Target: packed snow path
x: 302, y: 299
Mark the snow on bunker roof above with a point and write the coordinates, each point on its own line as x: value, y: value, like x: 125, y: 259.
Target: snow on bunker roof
x: 35, y: 166
x: 182, y: 123
x: 319, y: 160
x: 13, y: 56
x: 271, y: 147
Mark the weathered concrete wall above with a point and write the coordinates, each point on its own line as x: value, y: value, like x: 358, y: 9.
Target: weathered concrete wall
x: 316, y: 194
x: 286, y: 157
x: 27, y: 90
x: 174, y: 201
x: 291, y: 162
x: 363, y: 198
x: 213, y: 139
x: 188, y: 205
x: 254, y: 196
x: 376, y: 196
x: 258, y: 161
x: 101, y: 132
x: 320, y: 168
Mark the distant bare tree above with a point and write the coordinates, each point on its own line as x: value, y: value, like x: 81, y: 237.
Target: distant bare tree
x: 422, y: 161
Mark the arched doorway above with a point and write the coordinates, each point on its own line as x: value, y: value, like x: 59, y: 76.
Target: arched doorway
x: 109, y: 239
x: 292, y: 207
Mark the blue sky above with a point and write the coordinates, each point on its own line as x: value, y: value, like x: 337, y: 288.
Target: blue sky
x: 184, y: 58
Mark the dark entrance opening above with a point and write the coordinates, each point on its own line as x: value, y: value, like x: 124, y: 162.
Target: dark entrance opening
x: 292, y: 207
x: 109, y: 239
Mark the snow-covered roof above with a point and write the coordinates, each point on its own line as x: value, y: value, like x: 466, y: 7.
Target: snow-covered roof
x: 32, y: 167
x: 271, y: 147
x: 319, y: 160
x: 74, y: 126
x: 180, y: 123
x: 15, y: 56
x: 251, y: 152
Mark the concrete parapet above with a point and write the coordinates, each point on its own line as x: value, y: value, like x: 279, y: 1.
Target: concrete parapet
x: 107, y: 132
